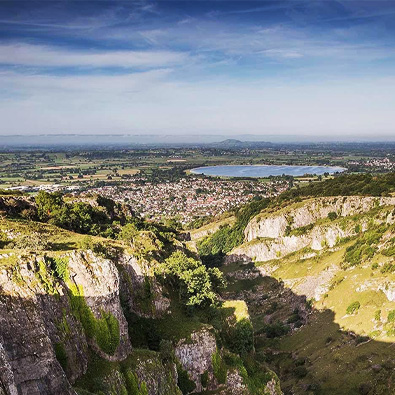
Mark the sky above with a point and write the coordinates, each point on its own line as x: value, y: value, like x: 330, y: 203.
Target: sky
x: 308, y: 68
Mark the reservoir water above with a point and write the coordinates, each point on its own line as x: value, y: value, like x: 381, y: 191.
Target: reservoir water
x: 260, y: 171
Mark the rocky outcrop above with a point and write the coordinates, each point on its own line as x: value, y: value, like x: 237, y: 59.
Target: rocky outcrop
x: 137, y: 284
x: 195, y: 355
x: 43, y: 344
x: 274, y: 225
x: 99, y: 280
x: 268, y: 249
x: 13, y: 206
x: 160, y: 379
x: 304, y: 225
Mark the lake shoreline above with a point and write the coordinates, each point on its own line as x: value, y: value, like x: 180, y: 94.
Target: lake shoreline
x: 263, y: 171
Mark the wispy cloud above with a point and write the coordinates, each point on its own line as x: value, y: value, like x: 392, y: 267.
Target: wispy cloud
x: 39, y: 55
x: 283, y: 67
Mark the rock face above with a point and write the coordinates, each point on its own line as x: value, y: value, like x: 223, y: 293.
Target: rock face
x: 37, y: 320
x: 209, y: 229
x: 99, y: 280
x: 135, y: 280
x: 159, y: 379
x: 267, y: 249
x: 309, y: 212
x: 269, y: 236
x: 28, y: 360
x: 46, y: 328
x: 195, y: 355
x: 14, y: 205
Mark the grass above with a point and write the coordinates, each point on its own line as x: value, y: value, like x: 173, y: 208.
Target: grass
x: 335, y: 360
x: 56, y: 239
x: 239, y: 307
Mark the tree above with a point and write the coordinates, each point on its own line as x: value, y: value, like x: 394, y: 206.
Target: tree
x: 197, y: 284
x: 128, y: 233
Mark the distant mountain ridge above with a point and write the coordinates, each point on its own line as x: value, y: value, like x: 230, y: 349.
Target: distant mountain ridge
x: 156, y: 140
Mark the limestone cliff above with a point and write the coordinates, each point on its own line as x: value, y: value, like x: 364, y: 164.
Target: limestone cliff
x: 272, y: 235
x: 63, y: 319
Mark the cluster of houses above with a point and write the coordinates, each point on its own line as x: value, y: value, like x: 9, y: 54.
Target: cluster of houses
x: 189, y: 198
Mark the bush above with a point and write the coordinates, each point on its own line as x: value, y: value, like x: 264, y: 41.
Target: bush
x: 388, y: 268
x: 132, y: 384
x: 197, y: 284
x: 276, y: 330
x: 219, y: 368
x: 353, y: 308
x: 185, y: 384
x: 391, y: 316
x: 241, y: 337
x: 300, y: 371
x: 59, y: 267
x: 204, y: 379
x: 166, y: 351
x: 332, y: 215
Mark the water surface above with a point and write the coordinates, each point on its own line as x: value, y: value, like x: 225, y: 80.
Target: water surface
x: 260, y: 171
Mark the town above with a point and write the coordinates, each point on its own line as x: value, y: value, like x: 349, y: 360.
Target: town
x: 189, y: 197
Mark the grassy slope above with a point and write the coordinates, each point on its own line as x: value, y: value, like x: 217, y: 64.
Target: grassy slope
x: 339, y: 358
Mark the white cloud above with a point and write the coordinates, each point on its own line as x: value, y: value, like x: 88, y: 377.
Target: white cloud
x: 38, y: 55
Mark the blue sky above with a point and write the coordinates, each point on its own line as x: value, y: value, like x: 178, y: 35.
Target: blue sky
x: 217, y: 67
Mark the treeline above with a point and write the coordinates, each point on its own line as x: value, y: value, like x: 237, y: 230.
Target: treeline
x: 100, y: 217
x: 345, y: 185
x: 104, y: 219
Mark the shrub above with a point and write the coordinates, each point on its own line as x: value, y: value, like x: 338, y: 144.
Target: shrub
x: 391, y: 316
x: 388, y: 268
x: 59, y: 267
x: 166, y: 351
x: 241, y: 337
x: 361, y: 339
x: 300, y: 371
x: 3, y: 239
x: 132, y: 384
x: 353, y: 308
x: 365, y: 247
x: 276, y: 330
x: 185, y: 384
x: 377, y: 315
x: 219, y: 368
x: 332, y: 215
x: 390, y: 251
x: 204, y: 379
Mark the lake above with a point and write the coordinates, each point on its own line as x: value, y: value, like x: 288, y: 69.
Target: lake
x: 260, y: 171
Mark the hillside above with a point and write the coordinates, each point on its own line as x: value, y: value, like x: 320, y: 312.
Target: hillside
x: 318, y: 275
x: 291, y: 295
x: 136, y: 314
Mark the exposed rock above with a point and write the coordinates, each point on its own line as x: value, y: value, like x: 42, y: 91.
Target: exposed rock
x: 99, y: 280
x: 315, y: 286
x: 160, y: 380
x: 135, y: 277
x: 195, y: 355
x: 234, y: 384
x: 309, y: 212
